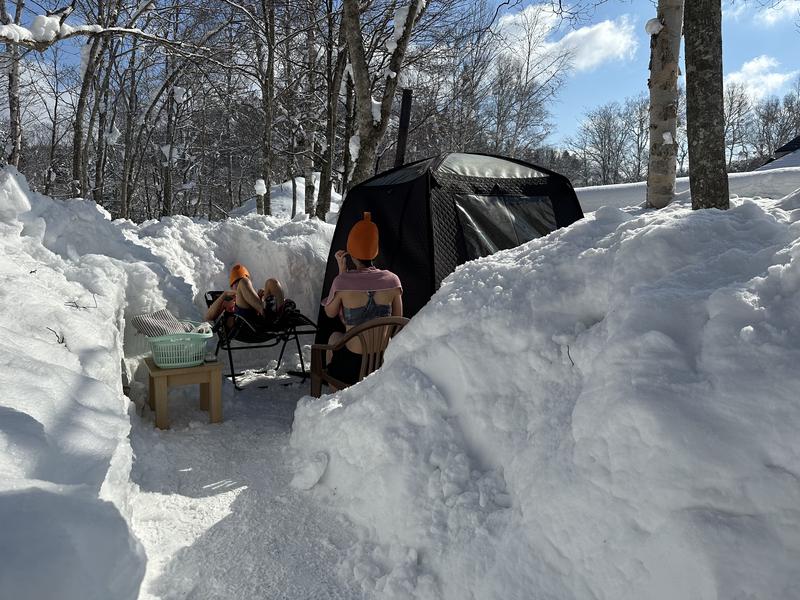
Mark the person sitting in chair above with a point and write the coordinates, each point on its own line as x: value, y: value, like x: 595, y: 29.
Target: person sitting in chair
x: 359, y: 292
x: 258, y: 307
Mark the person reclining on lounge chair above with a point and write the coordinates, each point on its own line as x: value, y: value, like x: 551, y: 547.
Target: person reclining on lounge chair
x: 259, y: 307
x: 359, y: 292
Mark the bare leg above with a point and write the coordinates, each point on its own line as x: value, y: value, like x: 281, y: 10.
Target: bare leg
x: 247, y: 297
x: 216, y: 307
x: 335, y: 337
x: 273, y: 287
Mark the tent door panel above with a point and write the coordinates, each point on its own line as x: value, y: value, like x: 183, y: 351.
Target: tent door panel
x: 492, y: 223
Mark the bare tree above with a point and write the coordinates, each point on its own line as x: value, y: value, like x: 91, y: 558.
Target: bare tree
x: 373, y: 115
x: 310, y: 104
x: 166, y: 116
x: 681, y: 141
x: 335, y: 60
x: 791, y: 104
x: 268, y: 101
x: 737, y: 120
x: 636, y: 111
x: 773, y: 124
x: 527, y: 76
x: 602, y: 140
x: 57, y: 81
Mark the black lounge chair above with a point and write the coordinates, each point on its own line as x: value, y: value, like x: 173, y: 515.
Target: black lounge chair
x: 234, y: 332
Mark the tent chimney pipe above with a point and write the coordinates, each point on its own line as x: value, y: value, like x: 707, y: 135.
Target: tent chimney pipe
x: 402, y: 132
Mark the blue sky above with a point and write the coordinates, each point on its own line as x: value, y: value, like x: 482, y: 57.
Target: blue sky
x: 761, y: 48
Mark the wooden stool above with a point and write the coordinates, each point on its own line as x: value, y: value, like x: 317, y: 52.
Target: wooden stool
x: 208, y: 375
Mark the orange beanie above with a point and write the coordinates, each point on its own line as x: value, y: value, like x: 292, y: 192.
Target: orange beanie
x: 237, y: 272
x: 362, y: 243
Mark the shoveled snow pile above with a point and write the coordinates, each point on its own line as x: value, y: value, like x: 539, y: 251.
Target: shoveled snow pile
x: 610, y: 412
x: 201, y: 254
x: 64, y: 455
x: 71, y: 281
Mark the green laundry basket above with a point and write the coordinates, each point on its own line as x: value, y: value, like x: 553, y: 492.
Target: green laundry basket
x: 177, y: 350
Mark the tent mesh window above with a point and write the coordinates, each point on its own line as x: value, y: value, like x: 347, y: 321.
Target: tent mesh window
x: 492, y: 223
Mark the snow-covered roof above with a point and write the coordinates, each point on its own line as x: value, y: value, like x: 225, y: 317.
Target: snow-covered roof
x: 790, y: 146
x: 466, y: 164
x: 789, y: 159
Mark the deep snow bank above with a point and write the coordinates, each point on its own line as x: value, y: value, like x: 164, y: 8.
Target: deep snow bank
x: 200, y: 254
x: 72, y: 279
x: 64, y: 457
x: 610, y: 412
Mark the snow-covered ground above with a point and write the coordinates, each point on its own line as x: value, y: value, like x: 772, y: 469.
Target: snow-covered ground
x: 609, y: 412
x: 776, y: 182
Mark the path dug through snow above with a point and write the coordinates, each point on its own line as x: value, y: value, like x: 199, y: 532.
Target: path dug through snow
x: 215, y: 512
x: 210, y: 504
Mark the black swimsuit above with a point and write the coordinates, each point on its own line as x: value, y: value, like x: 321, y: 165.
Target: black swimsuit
x: 362, y: 314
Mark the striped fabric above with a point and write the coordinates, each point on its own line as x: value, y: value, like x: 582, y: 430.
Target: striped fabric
x: 161, y: 322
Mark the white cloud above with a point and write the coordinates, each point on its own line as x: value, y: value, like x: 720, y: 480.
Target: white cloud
x: 588, y: 47
x: 778, y: 12
x: 514, y: 24
x: 761, y: 77
x: 734, y: 11
x: 597, y: 44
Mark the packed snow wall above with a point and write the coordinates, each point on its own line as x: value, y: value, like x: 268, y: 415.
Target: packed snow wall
x: 608, y: 412
x: 63, y: 432
x: 72, y: 280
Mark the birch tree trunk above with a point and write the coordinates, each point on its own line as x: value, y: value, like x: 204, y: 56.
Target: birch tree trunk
x: 267, y: 76
x: 166, y: 183
x: 372, y: 121
x: 705, y: 116
x: 310, y: 118
x: 102, y: 127
x: 334, y: 70
x: 663, y: 83
x: 79, y: 184
x: 129, y: 152
x: 349, y: 130
x: 14, y: 108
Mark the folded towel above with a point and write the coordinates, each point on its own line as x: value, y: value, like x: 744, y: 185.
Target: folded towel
x: 161, y: 322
